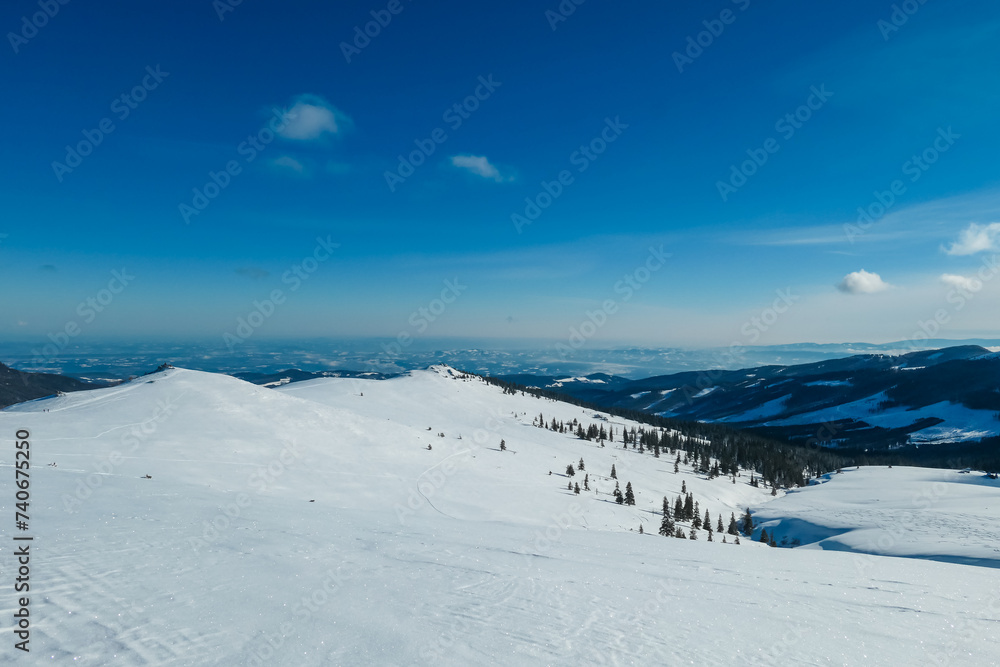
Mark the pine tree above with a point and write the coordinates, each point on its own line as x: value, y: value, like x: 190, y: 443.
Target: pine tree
x: 679, y: 509
x: 679, y: 533
x: 576, y: 489
x: 614, y: 474
x: 618, y: 496
x: 666, y: 507
x: 579, y: 466
x: 696, y: 521
x: 684, y: 487
x: 693, y: 535
x: 732, y: 530
x: 676, y: 467
x: 503, y: 445
x: 707, y: 523
x: 747, y: 523
x: 569, y: 486
x: 640, y: 529
x: 586, y: 482
x: 771, y: 542
x: 569, y: 470
x: 763, y: 536
x: 709, y: 533
x: 666, y: 524
x: 718, y: 526
x: 629, y: 496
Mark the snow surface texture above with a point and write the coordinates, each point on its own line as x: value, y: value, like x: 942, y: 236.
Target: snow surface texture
x: 312, y: 525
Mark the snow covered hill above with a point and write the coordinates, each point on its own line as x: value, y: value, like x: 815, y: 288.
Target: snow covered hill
x: 193, y: 518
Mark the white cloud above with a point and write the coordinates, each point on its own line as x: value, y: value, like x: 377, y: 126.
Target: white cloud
x: 862, y: 282
x: 311, y: 118
x: 961, y: 282
x: 977, y: 238
x: 478, y: 165
x: 288, y: 162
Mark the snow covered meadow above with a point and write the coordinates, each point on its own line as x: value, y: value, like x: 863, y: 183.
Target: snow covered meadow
x: 193, y: 518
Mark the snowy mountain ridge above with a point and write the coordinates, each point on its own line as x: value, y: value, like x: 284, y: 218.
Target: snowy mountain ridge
x: 193, y: 518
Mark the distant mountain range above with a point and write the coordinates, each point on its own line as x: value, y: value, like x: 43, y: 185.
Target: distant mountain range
x: 868, y: 401
x: 17, y: 386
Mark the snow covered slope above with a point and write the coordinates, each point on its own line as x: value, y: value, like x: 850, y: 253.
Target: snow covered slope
x: 912, y: 512
x: 311, y: 525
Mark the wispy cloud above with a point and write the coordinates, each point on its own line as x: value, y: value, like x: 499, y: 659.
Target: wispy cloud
x: 478, y: 165
x: 862, y: 282
x: 311, y: 118
x: 976, y: 238
x: 961, y: 282
x: 287, y: 162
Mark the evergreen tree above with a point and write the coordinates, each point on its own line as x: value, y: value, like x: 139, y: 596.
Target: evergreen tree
x: 732, y: 530
x: 618, y: 496
x: 679, y: 509
x: 569, y: 486
x: 614, y: 475
x: 718, y: 526
x: 737, y: 539
x: 586, y: 482
x: 771, y: 542
x: 747, y: 523
x: 693, y: 535
x: 709, y: 533
x: 676, y: 467
x: 689, y: 507
x: 503, y: 445
x: 640, y: 529
x: 696, y: 521
x: 569, y: 470
x: 579, y: 466
x: 666, y: 526
x: 629, y: 496
x: 576, y: 489
x: 763, y: 536
x: 707, y: 523
x: 684, y: 487
x: 666, y: 507
x: 679, y: 533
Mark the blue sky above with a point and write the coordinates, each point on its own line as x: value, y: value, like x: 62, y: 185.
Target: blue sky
x: 664, y: 131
